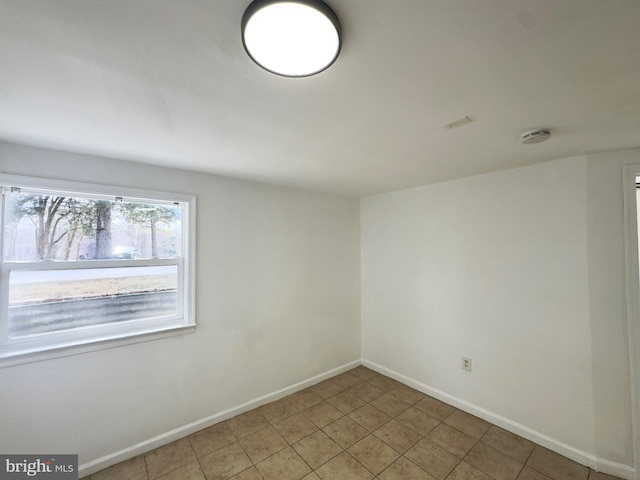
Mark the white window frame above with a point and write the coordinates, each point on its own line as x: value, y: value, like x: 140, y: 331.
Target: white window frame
x: 32, y: 348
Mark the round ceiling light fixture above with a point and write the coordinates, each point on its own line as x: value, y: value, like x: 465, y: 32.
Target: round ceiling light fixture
x: 292, y: 38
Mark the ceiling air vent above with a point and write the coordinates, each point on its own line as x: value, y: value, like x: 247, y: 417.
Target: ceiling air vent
x: 457, y: 123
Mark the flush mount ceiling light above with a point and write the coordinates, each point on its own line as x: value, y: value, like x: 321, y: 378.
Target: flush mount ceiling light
x: 295, y: 38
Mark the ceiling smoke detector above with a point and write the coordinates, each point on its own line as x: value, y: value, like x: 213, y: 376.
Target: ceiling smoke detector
x: 537, y: 135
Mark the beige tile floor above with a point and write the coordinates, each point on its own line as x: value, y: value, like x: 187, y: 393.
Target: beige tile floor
x: 357, y: 425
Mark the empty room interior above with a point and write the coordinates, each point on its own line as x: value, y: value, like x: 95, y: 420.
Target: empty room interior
x: 416, y: 259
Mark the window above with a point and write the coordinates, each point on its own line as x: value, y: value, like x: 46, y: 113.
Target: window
x: 89, y: 266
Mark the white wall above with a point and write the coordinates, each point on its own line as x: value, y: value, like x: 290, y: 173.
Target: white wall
x: 277, y: 303
x: 523, y: 271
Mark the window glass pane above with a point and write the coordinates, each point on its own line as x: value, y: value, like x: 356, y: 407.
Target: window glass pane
x: 54, y: 300
x: 67, y: 227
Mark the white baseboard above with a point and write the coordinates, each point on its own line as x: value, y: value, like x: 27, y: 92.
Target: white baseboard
x: 599, y: 464
x: 178, y: 433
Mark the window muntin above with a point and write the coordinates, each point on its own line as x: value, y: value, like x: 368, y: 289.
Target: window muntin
x: 82, y: 266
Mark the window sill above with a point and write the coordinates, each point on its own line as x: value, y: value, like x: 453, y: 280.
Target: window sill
x: 20, y: 358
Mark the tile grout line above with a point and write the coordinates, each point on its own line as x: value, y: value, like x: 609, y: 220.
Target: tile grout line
x: 197, y: 458
x: 524, y: 464
x: 467, y: 454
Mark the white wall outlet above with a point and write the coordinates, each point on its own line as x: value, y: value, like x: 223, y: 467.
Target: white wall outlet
x: 466, y: 364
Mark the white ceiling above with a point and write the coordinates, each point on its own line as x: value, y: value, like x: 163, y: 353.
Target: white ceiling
x: 167, y: 82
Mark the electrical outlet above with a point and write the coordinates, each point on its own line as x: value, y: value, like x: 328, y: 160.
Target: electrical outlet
x: 466, y: 364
